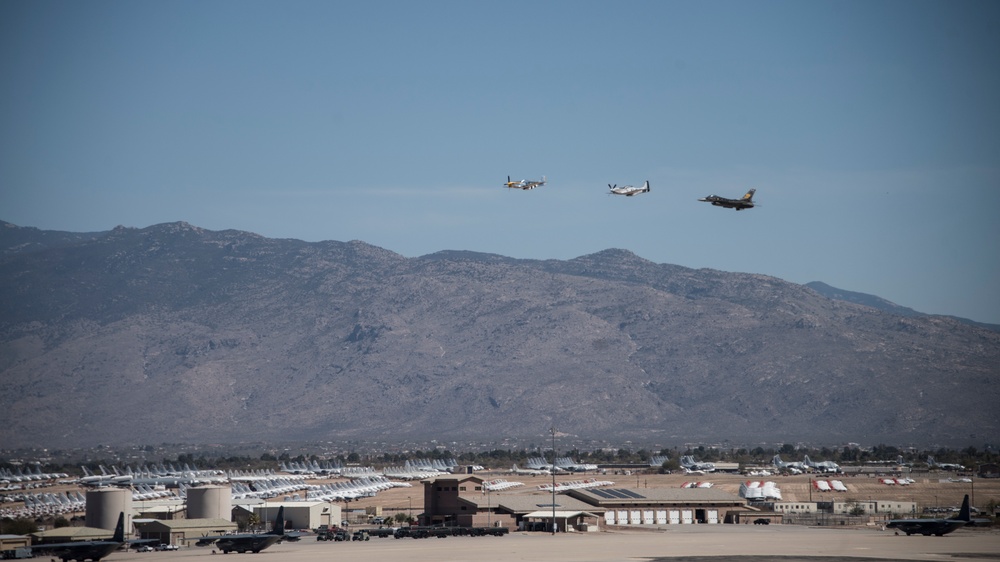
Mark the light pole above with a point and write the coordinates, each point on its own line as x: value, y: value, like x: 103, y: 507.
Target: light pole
x: 553, y: 481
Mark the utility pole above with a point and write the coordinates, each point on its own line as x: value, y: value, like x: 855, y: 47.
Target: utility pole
x: 553, y: 481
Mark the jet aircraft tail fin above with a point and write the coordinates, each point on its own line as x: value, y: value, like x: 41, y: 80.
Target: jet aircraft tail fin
x: 119, y: 535
x: 965, y: 513
x: 645, y: 186
x: 279, y: 522
x: 749, y: 195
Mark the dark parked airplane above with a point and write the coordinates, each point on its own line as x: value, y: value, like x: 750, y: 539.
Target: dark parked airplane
x: 745, y: 202
x: 937, y: 526
x: 250, y: 542
x: 85, y: 550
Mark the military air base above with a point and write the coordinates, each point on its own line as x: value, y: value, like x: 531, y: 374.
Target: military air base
x: 320, y: 280
x: 311, y: 511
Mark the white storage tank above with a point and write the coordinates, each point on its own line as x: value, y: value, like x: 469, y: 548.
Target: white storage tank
x: 105, y: 504
x: 210, y: 502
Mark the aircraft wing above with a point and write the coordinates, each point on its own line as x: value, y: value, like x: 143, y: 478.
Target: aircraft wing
x: 295, y: 535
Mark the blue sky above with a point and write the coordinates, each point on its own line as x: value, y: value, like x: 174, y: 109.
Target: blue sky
x: 870, y: 129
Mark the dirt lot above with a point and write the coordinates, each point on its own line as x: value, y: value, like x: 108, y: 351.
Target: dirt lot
x: 929, y: 489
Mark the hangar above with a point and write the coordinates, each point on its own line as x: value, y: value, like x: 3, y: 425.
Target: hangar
x: 463, y: 501
x: 661, y: 506
x: 532, y: 512
x: 184, y: 531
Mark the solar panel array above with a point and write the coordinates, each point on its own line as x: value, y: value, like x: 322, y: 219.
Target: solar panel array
x: 617, y: 494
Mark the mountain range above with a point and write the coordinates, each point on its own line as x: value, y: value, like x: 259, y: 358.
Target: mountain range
x: 173, y: 333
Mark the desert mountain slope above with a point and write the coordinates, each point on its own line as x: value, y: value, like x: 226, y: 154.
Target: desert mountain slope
x: 175, y: 333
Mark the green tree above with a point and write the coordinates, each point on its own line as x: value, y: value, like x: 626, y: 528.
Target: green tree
x: 19, y: 526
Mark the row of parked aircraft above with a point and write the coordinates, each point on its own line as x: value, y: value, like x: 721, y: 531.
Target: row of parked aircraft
x: 797, y: 467
x: 745, y: 202
x: 563, y: 465
x: 8, y: 476
x: 151, y: 476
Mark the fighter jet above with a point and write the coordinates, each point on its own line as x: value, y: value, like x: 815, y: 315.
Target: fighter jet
x: 937, y: 527
x: 745, y: 202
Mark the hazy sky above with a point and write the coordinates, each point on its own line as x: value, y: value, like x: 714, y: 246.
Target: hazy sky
x: 870, y: 129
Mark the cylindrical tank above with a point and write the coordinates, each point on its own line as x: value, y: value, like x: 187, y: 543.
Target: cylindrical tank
x: 210, y: 502
x: 105, y: 504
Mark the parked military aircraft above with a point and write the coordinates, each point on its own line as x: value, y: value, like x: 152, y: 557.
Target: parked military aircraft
x: 86, y: 550
x: 98, y: 480
x: 524, y: 184
x: 628, y: 190
x: 745, y: 202
x: 528, y: 471
x: 570, y: 465
x: 937, y: 527
x: 689, y: 464
x: 943, y: 465
x: 249, y: 542
x: 793, y: 467
x: 821, y: 466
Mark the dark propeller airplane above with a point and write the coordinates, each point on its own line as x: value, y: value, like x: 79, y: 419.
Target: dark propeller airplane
x: 938, y: 527
x: 249, y: 542
x: 87, y: 550
x: 745, y: 202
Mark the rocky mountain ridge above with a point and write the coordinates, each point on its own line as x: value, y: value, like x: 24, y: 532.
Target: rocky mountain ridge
x: 176, y: 333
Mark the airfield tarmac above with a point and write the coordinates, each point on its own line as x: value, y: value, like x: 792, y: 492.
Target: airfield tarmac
x: 679, y: 543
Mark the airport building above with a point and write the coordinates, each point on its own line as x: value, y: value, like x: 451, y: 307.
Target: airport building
x: 870, y: 507
x: 184, y: 532
x: 795, y: 507
x: 662, y: 506
x: 299, y: 514
x: 463, y: 501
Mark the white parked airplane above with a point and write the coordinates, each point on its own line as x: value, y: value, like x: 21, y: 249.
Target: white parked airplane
x: 628, y: 190
x: 528, y: 471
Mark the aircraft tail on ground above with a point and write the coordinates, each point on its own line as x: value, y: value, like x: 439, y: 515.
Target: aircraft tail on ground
x: 279, y: 522
x: 119, y: 535
x: 964, y: 514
